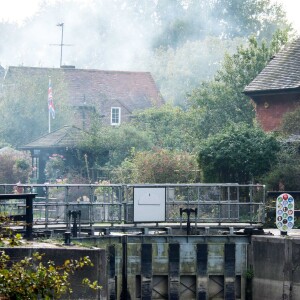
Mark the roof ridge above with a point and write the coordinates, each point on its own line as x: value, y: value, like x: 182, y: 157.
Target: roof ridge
x: 281, y: 73
x: 79, y: 69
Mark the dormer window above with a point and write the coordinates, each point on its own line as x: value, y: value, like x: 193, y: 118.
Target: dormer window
x: 115, y: 116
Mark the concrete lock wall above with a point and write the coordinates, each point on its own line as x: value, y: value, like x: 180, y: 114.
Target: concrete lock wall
x: 183, y: 267
x: 59, y: 255
x: 208, y: 267
x: 276, y: 267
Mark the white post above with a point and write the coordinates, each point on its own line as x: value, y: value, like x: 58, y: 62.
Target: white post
x: 49, y: 121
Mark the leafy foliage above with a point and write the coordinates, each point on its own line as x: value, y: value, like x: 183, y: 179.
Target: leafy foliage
x: 192, y: 20
x: 221, y: 101
x: 7, y: 235
x: 15, y: 166
x: 179, y: 70
x: 291, y: 122
x: 117, y: 141
x: 55, y: 166
x: 24, y: 108
x: 158, y: 166
x: 239, y: 153
x: 30, y: 278
x: 167, y: 127
x: 285, y: 173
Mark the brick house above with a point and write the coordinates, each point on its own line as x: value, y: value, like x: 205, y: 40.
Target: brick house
x: 113, y: 94
x: 276, y: 90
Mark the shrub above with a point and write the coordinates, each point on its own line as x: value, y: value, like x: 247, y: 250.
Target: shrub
x: 158, y: 166
x: 15, y: 166
x: 239, y: 153
x: 55, y: 167
x: 31, y: 279
x: 285, y: 174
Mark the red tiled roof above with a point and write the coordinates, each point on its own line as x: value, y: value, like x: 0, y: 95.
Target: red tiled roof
x: 135, y: 90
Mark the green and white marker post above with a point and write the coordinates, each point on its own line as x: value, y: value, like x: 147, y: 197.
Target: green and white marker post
x: 285, y: 219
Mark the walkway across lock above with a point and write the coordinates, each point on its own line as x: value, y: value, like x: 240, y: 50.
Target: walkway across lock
x: 140, y: 203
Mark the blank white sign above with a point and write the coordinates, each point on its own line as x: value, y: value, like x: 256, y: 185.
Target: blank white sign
x: 149, y: 204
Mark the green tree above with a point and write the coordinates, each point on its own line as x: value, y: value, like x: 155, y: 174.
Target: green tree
x: 179, y: 70
x: 15, y: 166
x: 168, y: 127
x: 24, y: 107
x: 32, y: 279
x: 221, y: 101
x: 55, y: 167
x: 158, y: 166
x: 180, y: 21
x: 291, y: 123
x: 285, y: 172
x: 239, y: 153
x: 249, y: 17
x: 115, y: 142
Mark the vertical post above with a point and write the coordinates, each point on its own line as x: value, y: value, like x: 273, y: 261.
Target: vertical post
x: 202, y: 276
x: 29, y: 215
x: 46, y: 206
x: 112, y: 272
x: 74, y: 228
x: 174, y: 271
x: 49, y: 122
x: 146, y: 271
x: 229, y: 271
x: 50, y: 104
x: 124, y: 292
x: 61, y: 42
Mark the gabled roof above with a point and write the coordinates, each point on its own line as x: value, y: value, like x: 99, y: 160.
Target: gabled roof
x: 135, y: 90
x: 282, y: 72
x: 61, y: 138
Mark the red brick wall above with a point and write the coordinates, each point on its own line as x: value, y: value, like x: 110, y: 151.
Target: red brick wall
x: 271, y: 108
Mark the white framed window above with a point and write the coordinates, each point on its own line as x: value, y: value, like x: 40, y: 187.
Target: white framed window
x: 115, y: 116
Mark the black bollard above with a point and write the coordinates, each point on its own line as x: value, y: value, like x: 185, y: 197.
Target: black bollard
x: 67, y: 238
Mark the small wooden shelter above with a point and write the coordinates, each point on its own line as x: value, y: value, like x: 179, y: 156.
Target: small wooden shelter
x: 63, y: 141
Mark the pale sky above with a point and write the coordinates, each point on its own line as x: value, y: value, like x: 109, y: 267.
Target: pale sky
x: 292, y: 8
x: 11, y: 10
x: 20, y: 9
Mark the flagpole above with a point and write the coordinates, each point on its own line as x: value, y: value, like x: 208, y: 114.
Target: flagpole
x: 49, y: 121
x: 51, y: 110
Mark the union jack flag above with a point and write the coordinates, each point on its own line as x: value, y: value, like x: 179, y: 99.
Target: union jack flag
x: 50, y: 101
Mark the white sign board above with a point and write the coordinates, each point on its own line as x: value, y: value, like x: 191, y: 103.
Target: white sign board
x: 149, y: 204
x: 285, y: 212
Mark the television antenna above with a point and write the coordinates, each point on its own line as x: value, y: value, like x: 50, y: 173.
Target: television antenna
x: 61, y: 42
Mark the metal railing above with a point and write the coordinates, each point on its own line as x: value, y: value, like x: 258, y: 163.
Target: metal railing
x: 114, y: 203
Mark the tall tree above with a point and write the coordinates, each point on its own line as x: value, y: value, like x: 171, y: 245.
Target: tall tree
x: 24, y: 108
x: 168, y: 127
x: 182, y: 21
x: 111, y: 145
x: 221, y: 101
x: 178, y: 71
